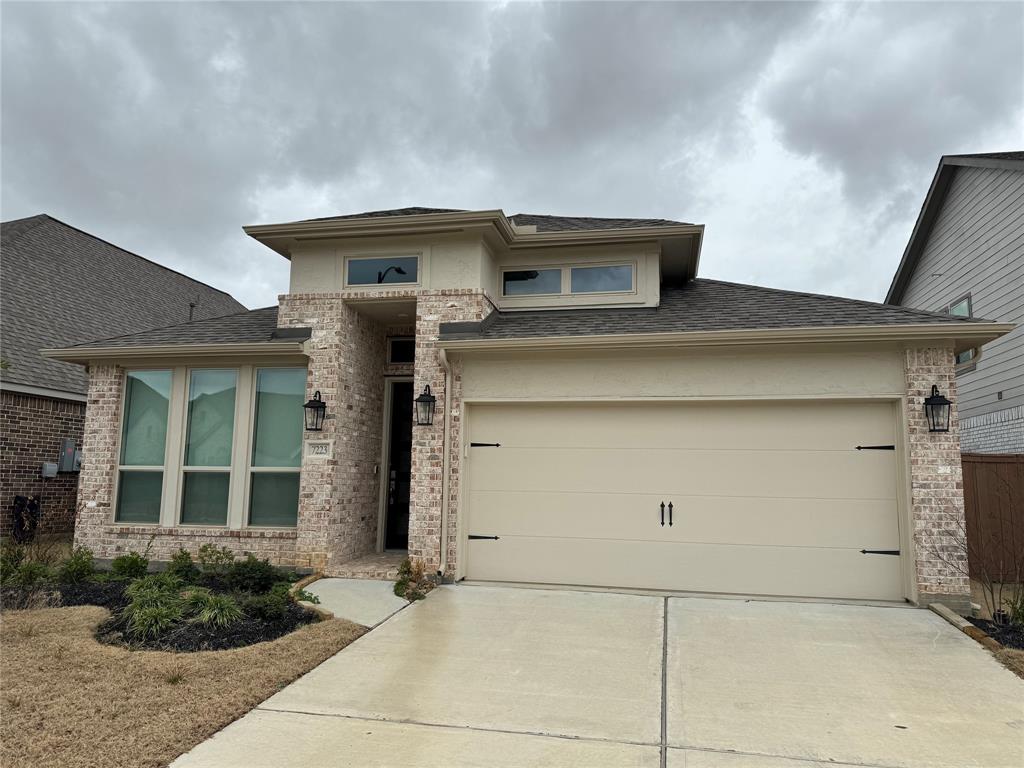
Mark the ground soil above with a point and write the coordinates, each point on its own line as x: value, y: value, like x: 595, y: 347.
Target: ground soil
x: 70, y: 701
x: 1008, y: 635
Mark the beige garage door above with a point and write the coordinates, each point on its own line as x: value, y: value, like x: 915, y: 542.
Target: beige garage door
x: 771, y: 499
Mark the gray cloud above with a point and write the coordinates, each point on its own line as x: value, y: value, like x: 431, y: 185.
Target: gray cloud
x: 166, y: 127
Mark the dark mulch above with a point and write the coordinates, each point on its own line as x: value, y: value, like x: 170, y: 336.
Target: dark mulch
x: 189, y: 636
x: 107, y: 594
x: 1010, y: 635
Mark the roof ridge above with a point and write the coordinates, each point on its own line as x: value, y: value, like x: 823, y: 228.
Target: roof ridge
x: 829, y: 297
x: 91, y: 342
x: 130, y: 253
x: 42, y: 217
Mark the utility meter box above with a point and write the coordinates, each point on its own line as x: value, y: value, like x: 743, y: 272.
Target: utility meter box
x: 48, y: 470
x: 68, y: 455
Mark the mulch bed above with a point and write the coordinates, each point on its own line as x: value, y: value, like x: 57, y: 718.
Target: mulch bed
x: 190, y: 637
x: 1009, y: 635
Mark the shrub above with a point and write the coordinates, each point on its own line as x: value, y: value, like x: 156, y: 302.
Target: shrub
x: 1015, y: 609
x: 11, y: 558
x: 30, y: 574
x: 181, y: 565
x: 252, y: 575
x: 129, y: 566
x: 270, y: 607
x: 307, y: 597
x: 151, y: 620
x: 154, y: 587
x: 215, y: 560
x: 155, y: 604
x: 219, y: 611
x: 77, y: 569
x: 413, y: 583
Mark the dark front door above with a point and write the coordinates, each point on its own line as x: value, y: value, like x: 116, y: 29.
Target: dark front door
x: 396, y: 529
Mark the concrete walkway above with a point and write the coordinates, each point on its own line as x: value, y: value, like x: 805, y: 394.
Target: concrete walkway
x: 482, y: 676
x: 359, y: 600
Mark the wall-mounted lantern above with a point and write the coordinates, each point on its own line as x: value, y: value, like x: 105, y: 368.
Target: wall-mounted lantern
x: 936, y: 410
x: 315, y: 411
x: 425, y: 408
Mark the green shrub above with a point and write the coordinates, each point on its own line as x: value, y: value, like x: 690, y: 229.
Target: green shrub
x: 155, y: 606
x: 215, y: 560
x: 181, y: 565
x: 77, y: 569
x: 31, y: 574
x: 11, y: 558
x: 146, y: 621
x: 270, y: 607
x: 307, y: 597
x: 1015, y: 608
x: 154, y: 588
x: 219, y: 611
x: 129, y: 566
x: 252, y: 575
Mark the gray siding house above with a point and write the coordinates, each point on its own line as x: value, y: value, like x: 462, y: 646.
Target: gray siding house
x: 966, y: 257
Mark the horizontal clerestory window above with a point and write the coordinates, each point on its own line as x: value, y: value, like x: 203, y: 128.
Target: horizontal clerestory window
x: 569, y: 280
x: 212, y: 447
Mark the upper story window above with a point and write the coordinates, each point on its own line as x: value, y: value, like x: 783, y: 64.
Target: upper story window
x: 569, y: 280
x: 382, y: 270
x: 962, y: 308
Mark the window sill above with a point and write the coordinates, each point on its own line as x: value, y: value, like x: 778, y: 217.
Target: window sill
x: 149, y: 529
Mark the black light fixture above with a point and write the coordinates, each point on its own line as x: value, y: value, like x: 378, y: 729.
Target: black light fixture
x: 315, y: 411
x: 425, y: 408
x: 936, y: 410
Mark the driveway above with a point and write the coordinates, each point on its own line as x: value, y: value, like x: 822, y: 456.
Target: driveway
x: 481, y: 676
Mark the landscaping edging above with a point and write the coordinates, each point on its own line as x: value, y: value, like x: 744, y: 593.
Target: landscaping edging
x: 304, y: 582
x: 966, y: 627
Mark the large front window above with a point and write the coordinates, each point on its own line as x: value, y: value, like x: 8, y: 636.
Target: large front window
x: 384, y: 270
x: 212, y: 447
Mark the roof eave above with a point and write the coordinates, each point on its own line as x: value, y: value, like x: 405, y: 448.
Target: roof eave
x: 239, y: 349
x: 961, y: 335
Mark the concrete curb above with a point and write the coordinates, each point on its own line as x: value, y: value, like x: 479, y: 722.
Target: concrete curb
x: 965, y: 626
x: 304, y: 582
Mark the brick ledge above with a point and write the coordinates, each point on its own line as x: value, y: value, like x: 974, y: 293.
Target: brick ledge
x: 224, y: 533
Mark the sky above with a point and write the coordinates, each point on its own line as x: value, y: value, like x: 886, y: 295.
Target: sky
x: 803, y: 136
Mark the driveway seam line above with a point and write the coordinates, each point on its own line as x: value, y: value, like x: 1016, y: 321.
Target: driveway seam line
x: 818, y: 761
x: 407, y: 721
x: 664, y: 683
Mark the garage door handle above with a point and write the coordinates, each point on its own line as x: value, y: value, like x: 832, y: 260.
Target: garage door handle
x: 670, y: 513
x: 663, y: 513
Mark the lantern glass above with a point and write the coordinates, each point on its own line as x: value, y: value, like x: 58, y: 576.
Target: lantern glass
x: 315, y: 411
x: 425, y: 407
x: 936, y: 410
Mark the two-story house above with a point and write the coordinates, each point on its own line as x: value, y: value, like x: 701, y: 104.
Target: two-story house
x: 966, y: 257
x: 538, y: 399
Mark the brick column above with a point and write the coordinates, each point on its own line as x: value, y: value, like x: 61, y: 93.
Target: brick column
x: 936, y: 479
x: 99, y: 455
x: 432, y: 309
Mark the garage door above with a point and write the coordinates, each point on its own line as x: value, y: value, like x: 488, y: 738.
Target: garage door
x: 771, y: 499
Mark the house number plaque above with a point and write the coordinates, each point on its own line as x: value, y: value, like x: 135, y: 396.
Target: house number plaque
x: 319, y: 449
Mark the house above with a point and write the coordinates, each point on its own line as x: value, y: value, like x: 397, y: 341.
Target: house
x: 966, y: 257
x: 538, y: 399
x: 61, y: 285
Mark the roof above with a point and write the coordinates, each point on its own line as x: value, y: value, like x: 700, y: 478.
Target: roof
x: 253, y: 326
x: 699, y: 305
x: 62, y: 285
x: 543, y: 222
x: 933, y: 201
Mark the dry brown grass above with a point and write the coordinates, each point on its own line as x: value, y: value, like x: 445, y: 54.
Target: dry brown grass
x: 1012, y: 659
x: 67, y: 700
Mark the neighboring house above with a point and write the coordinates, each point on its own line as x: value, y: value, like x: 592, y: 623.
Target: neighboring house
x: 603, y: 417
x: 966, y: 257
x: 59, y: 285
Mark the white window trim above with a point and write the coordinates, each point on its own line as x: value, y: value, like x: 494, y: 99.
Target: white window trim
x: 383, y: 255
x: 566, y: 282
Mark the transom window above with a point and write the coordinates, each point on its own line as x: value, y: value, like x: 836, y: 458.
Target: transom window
x: 569, y: 280
x: 382, y: 270
x: 232, y: 461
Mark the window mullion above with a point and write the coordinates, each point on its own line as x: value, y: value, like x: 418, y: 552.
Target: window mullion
x: 240, y: 447
x: 175, y: 446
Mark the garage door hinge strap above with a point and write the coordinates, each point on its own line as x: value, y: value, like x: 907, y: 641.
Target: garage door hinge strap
x: 876, y: 447
x: 879, y: 551
x: 485, y: 445
x: 472, y: 537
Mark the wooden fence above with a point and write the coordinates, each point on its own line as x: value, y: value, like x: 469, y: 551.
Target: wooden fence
x: 994, y: 508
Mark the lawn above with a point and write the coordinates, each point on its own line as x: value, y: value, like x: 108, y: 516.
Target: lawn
x: 68, y: 700
x: 1012, y: 659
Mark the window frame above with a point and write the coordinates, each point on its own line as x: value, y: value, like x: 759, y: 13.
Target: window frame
x: 250, y: 469
x: 119, y: 468
x: 566, y: 291
x: 970, y: 363
x: 383, y: 255
x: 391, y: 340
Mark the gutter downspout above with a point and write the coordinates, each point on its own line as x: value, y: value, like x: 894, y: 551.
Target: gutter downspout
x: 445, y: 463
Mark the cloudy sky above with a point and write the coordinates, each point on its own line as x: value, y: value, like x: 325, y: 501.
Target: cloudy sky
x: 804, y: 136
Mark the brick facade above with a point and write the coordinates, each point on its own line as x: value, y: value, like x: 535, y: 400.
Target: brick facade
x: 936, y: 480
x: 31, y: 431
x: 432, y: 309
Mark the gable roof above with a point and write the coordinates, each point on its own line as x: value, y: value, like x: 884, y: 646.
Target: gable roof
x: 933, y: 201
x: 701, y: 305
x: 62, y: 285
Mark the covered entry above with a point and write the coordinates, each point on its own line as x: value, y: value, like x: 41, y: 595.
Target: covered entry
x: 770, y: 498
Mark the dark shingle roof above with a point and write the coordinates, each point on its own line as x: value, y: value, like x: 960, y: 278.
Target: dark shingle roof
x: 700, y: 305
x: 252, y: 326
x: 1015, y: 156
x: 543, y: 223
x: 61, y: 285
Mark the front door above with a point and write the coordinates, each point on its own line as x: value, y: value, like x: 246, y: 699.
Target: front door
x: 396, y: 527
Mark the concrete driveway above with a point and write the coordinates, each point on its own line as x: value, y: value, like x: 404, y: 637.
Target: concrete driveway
x: 481, y: 676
